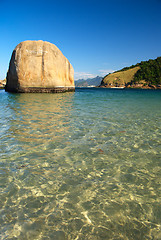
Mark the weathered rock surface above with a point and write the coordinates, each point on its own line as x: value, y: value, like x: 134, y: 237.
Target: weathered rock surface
x: 38, y: 66
x: 2, y: 83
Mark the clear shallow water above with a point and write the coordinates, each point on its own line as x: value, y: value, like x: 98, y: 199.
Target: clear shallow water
x: 83, y: 165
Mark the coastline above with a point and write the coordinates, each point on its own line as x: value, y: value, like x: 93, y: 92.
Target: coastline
x: 134, y: 86
x: 137, y: 86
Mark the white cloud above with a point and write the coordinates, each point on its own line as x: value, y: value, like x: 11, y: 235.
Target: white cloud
x: 104, y: 72
x: 83, y: 75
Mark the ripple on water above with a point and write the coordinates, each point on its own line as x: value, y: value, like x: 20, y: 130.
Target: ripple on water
x: 83, y: 165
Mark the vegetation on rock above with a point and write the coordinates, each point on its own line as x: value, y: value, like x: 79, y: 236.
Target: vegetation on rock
x: 150, y: 71
x: 144, y: 74
x: 119, y: 79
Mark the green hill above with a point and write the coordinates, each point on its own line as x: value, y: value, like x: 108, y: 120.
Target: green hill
x: 146, y: 74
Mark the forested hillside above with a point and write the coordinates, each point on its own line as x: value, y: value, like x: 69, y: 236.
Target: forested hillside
x: 145, y: 74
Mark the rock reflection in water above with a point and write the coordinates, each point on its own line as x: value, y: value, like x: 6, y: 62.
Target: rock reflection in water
x: 69, y: 172
x: 40, y: 120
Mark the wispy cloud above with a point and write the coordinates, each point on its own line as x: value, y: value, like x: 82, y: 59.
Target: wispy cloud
x: 104, y: 72
x: 83, y: 75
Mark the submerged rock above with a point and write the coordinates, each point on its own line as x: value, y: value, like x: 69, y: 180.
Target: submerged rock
x: 38, y: 66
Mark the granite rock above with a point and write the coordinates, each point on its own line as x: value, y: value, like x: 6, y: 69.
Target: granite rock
x: 38, y: 66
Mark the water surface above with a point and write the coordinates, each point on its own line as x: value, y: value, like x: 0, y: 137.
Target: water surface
x: 83, y: 165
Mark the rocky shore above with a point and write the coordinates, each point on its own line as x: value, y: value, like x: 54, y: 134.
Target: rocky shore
x: 144, y: 75
x: 143, y: 86
x: 135, y: 86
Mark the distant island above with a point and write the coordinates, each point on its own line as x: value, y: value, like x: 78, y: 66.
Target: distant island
x: 90, y: 82
x: 146, y: 74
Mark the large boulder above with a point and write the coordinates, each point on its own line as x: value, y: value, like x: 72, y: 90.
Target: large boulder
x: 38, y: 66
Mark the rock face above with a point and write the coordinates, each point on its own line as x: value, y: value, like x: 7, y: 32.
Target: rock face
x: 2, y: 84
x: 38, y: 66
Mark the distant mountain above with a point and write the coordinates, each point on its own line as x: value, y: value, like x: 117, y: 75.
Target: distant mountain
x: 146, y: 74
x: 88, y: 82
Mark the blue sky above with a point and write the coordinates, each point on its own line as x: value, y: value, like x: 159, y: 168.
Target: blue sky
x: 96, y: 36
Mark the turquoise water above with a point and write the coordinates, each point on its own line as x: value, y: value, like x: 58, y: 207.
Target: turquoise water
x: 81, y: 166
